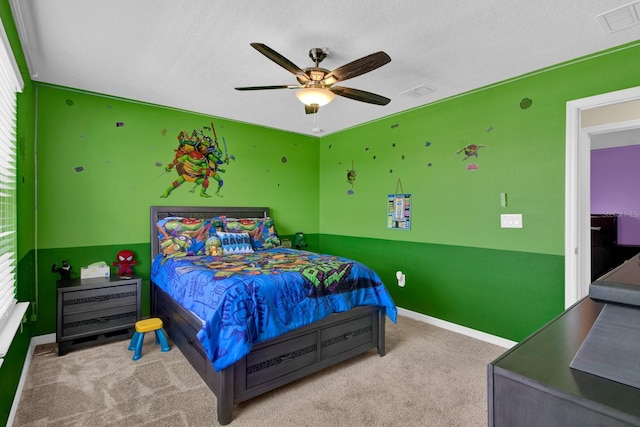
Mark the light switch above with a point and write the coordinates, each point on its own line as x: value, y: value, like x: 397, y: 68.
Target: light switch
x: 511, y: 220
x: 503, y: 200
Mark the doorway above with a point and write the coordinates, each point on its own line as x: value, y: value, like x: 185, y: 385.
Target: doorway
x: 577, y: 186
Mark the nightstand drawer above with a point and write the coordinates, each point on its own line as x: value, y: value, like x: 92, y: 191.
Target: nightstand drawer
x: 88, y: 300
x: 88, y: 322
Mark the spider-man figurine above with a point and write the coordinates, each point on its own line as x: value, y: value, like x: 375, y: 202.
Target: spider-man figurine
x: 125, y: 262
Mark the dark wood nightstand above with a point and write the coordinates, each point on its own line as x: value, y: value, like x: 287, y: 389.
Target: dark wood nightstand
x: 94, y: 311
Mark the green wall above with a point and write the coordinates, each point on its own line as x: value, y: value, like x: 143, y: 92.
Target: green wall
x: 460, y: 265
x: 505, y: 293
x: 123, y: 169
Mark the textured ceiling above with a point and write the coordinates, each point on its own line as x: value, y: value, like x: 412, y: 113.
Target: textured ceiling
x: 190, y: 54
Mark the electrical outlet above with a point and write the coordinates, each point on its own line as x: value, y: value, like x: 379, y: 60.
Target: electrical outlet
x: 401, y: 278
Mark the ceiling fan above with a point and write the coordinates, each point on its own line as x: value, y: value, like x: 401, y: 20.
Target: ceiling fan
x: 316, y: 85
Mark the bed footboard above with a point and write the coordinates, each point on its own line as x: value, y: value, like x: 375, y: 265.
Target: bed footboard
x: 276, y: 362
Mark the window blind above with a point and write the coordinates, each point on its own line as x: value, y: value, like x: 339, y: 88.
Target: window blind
x: 10, y: 84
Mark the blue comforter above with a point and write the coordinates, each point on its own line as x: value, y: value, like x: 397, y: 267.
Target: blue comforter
x: 249, y: 298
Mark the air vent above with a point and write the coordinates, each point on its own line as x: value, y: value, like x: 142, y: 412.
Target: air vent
x: 620, y: 18
x: 418, y: 91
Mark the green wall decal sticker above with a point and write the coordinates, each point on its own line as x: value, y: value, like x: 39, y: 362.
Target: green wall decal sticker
x: 198, y: 158
x: 526, y: 103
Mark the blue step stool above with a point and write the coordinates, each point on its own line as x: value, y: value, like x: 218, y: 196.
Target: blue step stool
x: 148, y: 325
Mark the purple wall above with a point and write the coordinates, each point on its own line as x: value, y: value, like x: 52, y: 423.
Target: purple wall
x: 615, y: 189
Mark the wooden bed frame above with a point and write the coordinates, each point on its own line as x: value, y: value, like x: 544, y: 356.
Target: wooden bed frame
x: 272, y: 363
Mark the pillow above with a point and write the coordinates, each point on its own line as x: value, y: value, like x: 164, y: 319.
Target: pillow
x: 180, y: 236
x: 262, y: 231
x: 235, y: 243
x: 240, y: 225
x: 266, y: 236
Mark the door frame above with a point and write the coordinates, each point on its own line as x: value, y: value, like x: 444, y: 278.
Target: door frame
x: 577, y: 188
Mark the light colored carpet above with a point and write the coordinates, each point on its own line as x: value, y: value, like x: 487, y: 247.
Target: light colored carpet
x: 429, y: 377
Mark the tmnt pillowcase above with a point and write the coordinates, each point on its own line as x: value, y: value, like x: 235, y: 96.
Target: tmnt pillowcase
x: 180, y: 236
x: 262, y: 231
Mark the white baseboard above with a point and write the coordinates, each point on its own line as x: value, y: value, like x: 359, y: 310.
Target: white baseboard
x: 483, y: 336
x: 43, y: 339
x: 37, y: 340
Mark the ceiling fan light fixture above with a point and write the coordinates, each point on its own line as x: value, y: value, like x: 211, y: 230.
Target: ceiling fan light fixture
x: 315, y: 95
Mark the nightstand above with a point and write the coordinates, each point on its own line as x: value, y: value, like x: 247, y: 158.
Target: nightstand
x: 95, y: 311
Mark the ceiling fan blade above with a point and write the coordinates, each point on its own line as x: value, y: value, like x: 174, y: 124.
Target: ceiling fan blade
x: 280, y: 60
x: 311, y: 109
x: 268, y: 87
x: 357, y: 67
x: 360, y: 95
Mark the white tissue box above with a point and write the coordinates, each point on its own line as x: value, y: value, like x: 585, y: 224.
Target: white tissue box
x: 92, y: 272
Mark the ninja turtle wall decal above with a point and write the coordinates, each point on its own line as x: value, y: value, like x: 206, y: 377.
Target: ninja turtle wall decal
x: 470, y: 150
x: 351, y: 178
x: 197, y: 160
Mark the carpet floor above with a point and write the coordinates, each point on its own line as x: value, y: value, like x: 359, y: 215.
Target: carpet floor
x: 429, y: 377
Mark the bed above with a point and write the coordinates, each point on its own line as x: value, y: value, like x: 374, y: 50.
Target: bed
x: 266, y: 358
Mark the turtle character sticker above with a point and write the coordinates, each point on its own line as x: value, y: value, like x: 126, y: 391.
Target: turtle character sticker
x: 351, y: 177
x: 470, y: 150
x: 197, y: 160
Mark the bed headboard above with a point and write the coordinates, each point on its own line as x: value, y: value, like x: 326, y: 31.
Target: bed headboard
x: 201, y: 212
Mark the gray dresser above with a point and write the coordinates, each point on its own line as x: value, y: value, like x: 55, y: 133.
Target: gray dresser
x: 533, y: 385
x: 95, y: 311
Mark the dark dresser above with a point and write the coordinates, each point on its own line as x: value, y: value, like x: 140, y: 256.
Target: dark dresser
x: 533, y: 385
x: 93, y: 311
